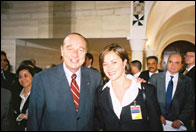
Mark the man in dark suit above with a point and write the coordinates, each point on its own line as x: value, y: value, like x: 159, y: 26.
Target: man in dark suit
x: 89, y: 61
x: 36, y: 68
x: 9, y: 82
x: 8, y: 79
x: 53, y: 103
x: 152, y: 64
x: 190, y: 72
x: 174, y: 92
x: 5, y: 107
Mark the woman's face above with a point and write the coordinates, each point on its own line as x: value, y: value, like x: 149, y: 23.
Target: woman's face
x: 25, y: 78
x: 113, y: 66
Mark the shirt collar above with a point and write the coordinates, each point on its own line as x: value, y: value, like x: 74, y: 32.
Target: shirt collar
x: 150, y: 73
x: 169, y: 74
x: 129, y: 76
x: 68, y: 74
x: 22, y: 94
x: 190, y: 68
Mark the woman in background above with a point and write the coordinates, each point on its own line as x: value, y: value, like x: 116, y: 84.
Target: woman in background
x: 25, y: 77
x: 122, y: 104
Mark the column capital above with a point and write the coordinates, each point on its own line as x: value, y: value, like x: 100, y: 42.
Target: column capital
x: 137, y: 44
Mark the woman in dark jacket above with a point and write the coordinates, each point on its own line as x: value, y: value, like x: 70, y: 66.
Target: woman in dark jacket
x: 124, y: 104
x: 25, y: 77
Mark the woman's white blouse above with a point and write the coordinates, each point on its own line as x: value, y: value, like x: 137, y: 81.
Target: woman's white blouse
x: 24, y: 99
x: 129, y: 96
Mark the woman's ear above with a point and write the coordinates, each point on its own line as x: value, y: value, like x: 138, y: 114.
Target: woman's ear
x: 125, y: 62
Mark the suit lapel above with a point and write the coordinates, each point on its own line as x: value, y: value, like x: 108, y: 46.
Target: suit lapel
x: 107, y: 101
x: 84, y: 90
x: 25, y: 107
x: 178, y: 87
x: 64, y: 88
x: 161, y: 90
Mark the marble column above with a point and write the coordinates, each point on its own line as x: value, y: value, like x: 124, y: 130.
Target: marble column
x: 137, y: 47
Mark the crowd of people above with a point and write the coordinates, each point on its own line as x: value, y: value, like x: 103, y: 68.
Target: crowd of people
x: 121, y: 97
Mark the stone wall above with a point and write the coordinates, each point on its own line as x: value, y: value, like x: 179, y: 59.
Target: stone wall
x: 51, y: 19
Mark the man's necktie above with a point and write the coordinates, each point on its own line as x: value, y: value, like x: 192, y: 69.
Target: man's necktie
x: 75, y: 91
x: 185, y: 72
x: 169, y: 94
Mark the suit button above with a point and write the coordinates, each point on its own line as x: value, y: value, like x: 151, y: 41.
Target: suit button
x: 78, y: 118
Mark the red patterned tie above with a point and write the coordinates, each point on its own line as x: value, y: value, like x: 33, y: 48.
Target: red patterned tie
x: 75, y: 91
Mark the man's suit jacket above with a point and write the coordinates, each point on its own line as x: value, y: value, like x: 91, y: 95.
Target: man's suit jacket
x: 181, y: 105
x: 5, y: 107
x: 150, y: 112
x: 8, y: 80
x: 191, y: 74
x: 51, y: 105
x: 145, y: 75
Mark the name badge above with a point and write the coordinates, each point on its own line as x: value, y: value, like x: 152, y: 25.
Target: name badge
x: 136, y: 112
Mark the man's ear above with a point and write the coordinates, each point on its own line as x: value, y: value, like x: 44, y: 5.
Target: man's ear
x: 61, y: 50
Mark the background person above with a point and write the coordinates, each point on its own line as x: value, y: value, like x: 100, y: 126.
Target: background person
x: 89, y: 61
x: 136, y: 67
x: 36, y: 68
x: 152, y: 64
x: 25, y: 77
x: 5, y: 108
x: 174, y: 92
x: 190, y: 72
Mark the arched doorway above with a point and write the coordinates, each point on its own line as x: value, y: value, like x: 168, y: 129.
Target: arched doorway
x: 177, y: 46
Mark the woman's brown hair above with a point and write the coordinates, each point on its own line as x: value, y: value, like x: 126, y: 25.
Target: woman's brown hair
x: 121, y: 52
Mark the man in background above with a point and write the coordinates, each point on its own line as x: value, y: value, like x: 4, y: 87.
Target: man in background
x: 89, y: 61
x: 152, y: 64
x: 10, y: 84
x: 174, y: 93
x: 37, y: 69
x: 136, y: 67
x: 190, y: 72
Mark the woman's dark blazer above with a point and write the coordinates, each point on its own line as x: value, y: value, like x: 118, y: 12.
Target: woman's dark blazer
x: 21, y: 124
x: 150, y: 112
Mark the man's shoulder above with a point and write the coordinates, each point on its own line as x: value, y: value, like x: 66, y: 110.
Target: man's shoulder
x: 90, y: 72
x: 184, y: 77
x: 94, y: 69
x: 50, y: 72
x: 157, y: 76
x: 144, y: 72
x: 160, y: 70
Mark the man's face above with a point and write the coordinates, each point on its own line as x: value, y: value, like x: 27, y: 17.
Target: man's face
x: 134, y: 69
x: 174, y: 64
x: 3, y: 62
x: 73, y: 52
x: 87, y: 62
x: 152, y: 65
x: 190, y: 58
